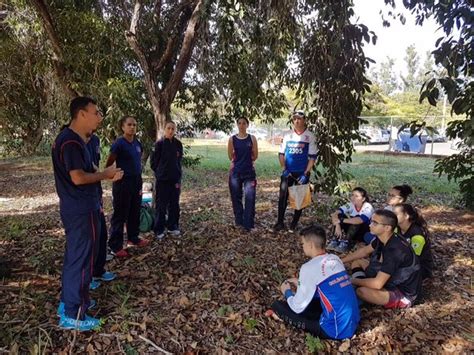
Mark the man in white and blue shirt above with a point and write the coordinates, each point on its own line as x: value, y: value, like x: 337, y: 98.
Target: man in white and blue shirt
x: 297, y: 156
x: 321, y: 300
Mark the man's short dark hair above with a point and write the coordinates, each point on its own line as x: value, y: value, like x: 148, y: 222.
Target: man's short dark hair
x: 79, y: 103
x: 316, y: 234
x: 389, y: 218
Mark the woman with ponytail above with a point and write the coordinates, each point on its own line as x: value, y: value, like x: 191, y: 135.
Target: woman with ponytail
x: 412, y: 226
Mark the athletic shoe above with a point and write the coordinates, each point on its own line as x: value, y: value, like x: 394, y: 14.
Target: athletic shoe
x: 141, y: 243
x: 122, y: 253
x: 292, y: 228
x: 278, y: 227
x: 94, y: 284
x: 175, y: 232
x: 60, y: 310
x: 106, y: 276
x: 343, y: 247
x: 332, y: 245
x: 160, y: 236
x: 109, y: 256
x: 85, y: 325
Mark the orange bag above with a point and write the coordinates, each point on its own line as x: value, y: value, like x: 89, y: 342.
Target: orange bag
x: 299, y: 196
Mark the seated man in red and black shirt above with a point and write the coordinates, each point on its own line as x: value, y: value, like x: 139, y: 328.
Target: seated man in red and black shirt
x: 392, y: 277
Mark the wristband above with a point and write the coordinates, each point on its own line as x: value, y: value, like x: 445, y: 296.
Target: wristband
x: 288, y: 294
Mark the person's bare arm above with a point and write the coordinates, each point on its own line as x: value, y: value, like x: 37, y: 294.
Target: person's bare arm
x: 377, y: 282
x: 358, y: 254
x: 80, y: 177
x: 230, y: 149
x: 111, y: 159
x: 254, y: 148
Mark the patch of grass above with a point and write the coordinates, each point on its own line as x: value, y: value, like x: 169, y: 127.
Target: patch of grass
x: 224, y: 310
x: 377, y: 173
x: 314, y: 344
x: 277, y: 275
x: 250, y: 324
x: 203, y: 215
x: 124, y: 295
x: 15, y: 229
x: 130, y: 350
x: 248, y: 261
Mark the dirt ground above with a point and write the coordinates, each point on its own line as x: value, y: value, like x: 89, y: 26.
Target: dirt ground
x: 207, y: 291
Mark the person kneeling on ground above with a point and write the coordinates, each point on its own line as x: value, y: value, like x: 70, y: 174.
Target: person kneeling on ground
x: 392, y: 277
x: 325, y: 303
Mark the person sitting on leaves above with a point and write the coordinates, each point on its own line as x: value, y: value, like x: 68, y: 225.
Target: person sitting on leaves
x: 322, y: 300
x: 392, y: 277
x: 412, y: 226
x: 397, y: 194
x: 351, y: 221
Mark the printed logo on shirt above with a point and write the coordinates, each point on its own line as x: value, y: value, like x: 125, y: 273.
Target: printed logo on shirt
x: 295, y: 147
x: 328, y: 265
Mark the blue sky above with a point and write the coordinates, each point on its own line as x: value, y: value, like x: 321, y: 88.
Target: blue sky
x: 392, y: 41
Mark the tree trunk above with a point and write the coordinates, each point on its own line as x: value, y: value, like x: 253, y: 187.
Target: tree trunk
x: 58, y: 59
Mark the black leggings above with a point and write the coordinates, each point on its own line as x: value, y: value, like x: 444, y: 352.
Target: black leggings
x: 353, y: 232
x: 308, y: 320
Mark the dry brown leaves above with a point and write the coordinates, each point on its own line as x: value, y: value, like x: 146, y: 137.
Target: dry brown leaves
x: 208, y: 290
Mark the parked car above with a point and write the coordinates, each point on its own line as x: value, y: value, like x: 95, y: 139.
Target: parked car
x: 375, y: 135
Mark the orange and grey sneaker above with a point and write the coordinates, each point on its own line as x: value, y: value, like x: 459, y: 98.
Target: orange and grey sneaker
x: 141, y: 243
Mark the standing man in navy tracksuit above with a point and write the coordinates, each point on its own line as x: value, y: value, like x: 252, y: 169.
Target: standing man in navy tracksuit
x: 79, y: 205
x: 126, y: 151
x: 166, y: 163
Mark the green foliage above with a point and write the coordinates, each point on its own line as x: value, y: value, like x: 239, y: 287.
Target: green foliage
x: 332, y: 84
x: 224, y: 310
x: 250, y: 324
x: 190, y: 160
x: 411, y: 82
x: 454, y: 53
x: 314, y: 344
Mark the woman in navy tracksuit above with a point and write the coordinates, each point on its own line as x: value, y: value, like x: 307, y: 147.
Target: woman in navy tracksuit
x: 243, y: 151
x: 166, y: 163
x: 126, y: 152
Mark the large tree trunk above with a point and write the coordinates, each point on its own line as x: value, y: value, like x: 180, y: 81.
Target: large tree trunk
x: 161, y: 100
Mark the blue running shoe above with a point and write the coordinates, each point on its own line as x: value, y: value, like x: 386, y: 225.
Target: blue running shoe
x: 60, y: 310
x: 332, y: 245
x: 94, y: 285
x: 343, y: 247
x: 106, y: 276
x: 85, y: 325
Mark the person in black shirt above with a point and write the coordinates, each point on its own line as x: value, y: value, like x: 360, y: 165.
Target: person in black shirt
x: 166, y: 163
x: 413, y: 228
x: 392, y: 277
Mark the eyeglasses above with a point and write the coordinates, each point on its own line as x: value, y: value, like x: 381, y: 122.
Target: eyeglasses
x: 375, y: 223
x: 97, y: 113
x: 392, y: 195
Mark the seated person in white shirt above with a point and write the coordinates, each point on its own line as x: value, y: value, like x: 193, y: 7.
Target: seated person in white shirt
x: 322, y: 300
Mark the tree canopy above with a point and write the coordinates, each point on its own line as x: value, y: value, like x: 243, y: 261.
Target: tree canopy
x: 216, y: 60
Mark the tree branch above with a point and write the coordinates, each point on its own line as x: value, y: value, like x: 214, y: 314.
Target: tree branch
x: 132, y: 40
x: 58, y: 58
x: 185, y: 54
